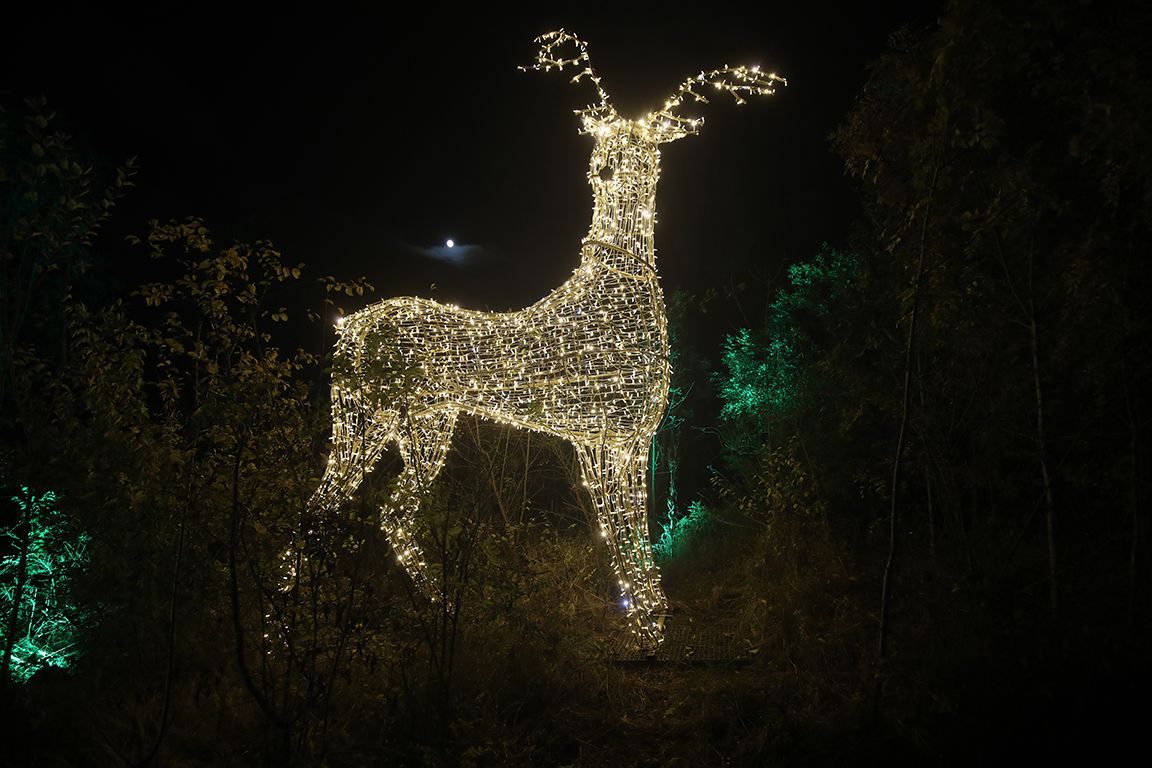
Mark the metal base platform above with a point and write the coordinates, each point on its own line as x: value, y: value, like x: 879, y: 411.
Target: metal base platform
x: 684, y: 643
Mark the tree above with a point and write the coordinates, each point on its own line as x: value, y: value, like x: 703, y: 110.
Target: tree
x: 1004, y: 157
x: 184, y: 446
x: 49, y: 212
x: 767, y: 383
x: 40, y: 622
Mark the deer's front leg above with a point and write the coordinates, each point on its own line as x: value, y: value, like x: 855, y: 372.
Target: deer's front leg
x: 615, y: 478
x: 424, y: 440
x: 359, y: 433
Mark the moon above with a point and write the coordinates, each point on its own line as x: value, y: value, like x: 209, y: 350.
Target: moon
x: 450, y: 243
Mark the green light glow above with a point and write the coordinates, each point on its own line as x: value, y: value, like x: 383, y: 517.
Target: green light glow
x: 665, y: 450
x: 767, y: 370
x: 764, y: 374
x: 681, y: 530
x: 45, y: 630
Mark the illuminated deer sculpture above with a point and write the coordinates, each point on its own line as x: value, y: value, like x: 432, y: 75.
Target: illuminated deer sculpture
x: 588, y: 363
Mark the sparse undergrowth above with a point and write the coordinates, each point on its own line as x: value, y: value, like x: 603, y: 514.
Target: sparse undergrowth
x: 533, y: 681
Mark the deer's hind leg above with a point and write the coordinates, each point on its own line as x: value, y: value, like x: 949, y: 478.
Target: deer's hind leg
x: 615, y: 478
x: 424, y: 440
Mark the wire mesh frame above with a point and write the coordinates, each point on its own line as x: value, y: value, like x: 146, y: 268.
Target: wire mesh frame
x: 588, y: 363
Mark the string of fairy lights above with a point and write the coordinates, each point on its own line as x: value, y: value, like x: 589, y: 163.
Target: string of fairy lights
x: 589, y: 362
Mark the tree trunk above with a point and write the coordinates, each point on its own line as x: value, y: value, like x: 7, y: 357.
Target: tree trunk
x: 1029, y: 309
x: 1050, y: 506
x: 890, y: 565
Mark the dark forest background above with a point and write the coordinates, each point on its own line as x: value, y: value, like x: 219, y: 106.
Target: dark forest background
x: 911, y: 494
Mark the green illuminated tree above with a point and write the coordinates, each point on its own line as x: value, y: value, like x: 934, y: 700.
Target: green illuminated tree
x: 767, y: 382
x: 40, y: 621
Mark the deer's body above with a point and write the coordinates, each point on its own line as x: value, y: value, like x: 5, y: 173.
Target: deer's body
x: 589, y: 362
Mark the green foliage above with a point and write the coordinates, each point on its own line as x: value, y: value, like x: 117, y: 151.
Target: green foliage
x: 1006, y: 152
x: 186, y: 442
x: 39, y: 620
x: 237, y: 435
x: 762, y: 377
x: 779, y: 480
x: 212, y: 345
x: 767, y: 381
x: 993, y: 348
x: 682, y: 531
x: 51, y: 205
x: 668, y: 450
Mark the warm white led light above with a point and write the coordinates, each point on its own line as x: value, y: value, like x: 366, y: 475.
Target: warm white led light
x: 589, y: 362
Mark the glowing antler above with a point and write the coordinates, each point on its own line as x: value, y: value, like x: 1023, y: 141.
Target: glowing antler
x: 734, y: 80
x: 546, y: 59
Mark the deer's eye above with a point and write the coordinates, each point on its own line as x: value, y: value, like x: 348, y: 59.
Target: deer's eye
x: 606, y: 173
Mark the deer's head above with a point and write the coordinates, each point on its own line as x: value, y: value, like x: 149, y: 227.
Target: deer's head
x: 625, y: 164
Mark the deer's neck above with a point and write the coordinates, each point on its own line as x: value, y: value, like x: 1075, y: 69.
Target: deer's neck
x: 626, y: 223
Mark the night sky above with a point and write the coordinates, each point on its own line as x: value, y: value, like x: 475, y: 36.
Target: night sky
x: 359, y: 142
